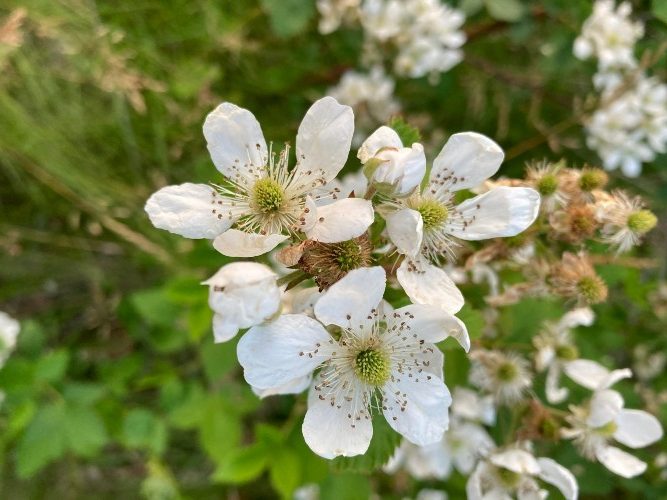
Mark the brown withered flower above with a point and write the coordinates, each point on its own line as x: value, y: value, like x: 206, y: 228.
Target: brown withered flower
x: 575, y: 277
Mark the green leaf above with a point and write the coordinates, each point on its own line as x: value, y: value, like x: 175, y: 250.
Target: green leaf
x: 285, y: 472
x: 345, y: 487
x: 288, y: 17
x: 154, y: 307
x: 473, y: 319
x: 659, y: 9
x: 220, y: 429
x: 142, y: 429
x: 219, y: 359
x: 51, y: 368
x: 505, y: 10
x: 83, y: 393
x: 43, y: 441
x: 471, y: 7
x: 84, y: 431
x: 405, y: 131
x: 384, y: 443
x: 243, y: 464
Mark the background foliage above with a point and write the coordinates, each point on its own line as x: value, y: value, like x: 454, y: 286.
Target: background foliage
x: 116, y: 389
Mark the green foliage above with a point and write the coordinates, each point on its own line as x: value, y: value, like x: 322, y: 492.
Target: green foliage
x: 659, y: 9
x: 408, y: 133
x: 505, y: 10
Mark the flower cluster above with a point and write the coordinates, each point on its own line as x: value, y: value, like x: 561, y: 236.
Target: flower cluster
x: 318, y: 321
x: 629, y: 126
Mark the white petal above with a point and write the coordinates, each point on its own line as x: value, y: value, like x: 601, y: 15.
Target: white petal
x: 235, y: 243
x: 234, y: 140
x: 405, y: 229
x: 224, y: 329
x: 329, y: 432
x: 296, y: 386
x: 503, y: 211
x: 324, y: 138
x: 383, y: 137
x: 420, y: 410
x: 637, y: 428
x: 620, y: 462
x: 516, y: 460
x: 278, y: 352
x: 187, y: 209
x: 554, y: 473
x: 470, y: 157
x: 474, y: 483
x: 593, y: 375
x: 342, y: 220
x: 400, y: 171
x: 555, y: 394
x: 425, y: 283
x: 582, y: 316
x: 429, y: 323
x: 350, y: 301
x: 605, y: 406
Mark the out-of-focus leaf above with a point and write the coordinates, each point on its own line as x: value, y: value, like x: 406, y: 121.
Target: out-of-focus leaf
x: 659, y: 9
x: 84, y: 431
x: 51, y: 368
x: 288, y: 17
x: 285, y: 472
x: 43, y: 441
x: 142, y: 429
x: 505, y: 10
x: 345, y: 487
x: 243, y: 464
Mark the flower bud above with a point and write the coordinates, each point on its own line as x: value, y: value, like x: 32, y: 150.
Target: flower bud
x: 391, y: 168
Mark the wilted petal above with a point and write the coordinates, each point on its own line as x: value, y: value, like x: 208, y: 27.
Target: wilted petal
x: 342, y: 220
x: 637, y: 428
x: 503, y: 211
x: 350, y: 301
x: 620, y: 462
x: 554, y: 473
x: 425, y: 283
x: 470, y: 158
x: 406, y: 229
x: 235, y: 140
x: 189, y: 210
x: 278, y: 352
x: 235, y: 243
x: 323, y: 140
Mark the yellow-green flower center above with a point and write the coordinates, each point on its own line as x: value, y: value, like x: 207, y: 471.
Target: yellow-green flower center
x: 592, y: 179
x: 642, y: 221
x: 567, y: 352
x: 433, y: 213
x: 348, y: 255
x: 372, y: 366
x: 592, y: 289
x: 607, y: 430
x: 267, y: 195
x: 507, y: 371
x: 509, y: 478
x: 547, y: 185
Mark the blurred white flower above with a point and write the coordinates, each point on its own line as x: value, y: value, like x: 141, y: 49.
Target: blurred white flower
x: 425, y: 226
x: 624, y: 220
x: 392, y: 169
x: 609, y: 35
x: 262, y: 201
x: 603, y: 420
x: 426, y: 33
x: 9, y: 332
x: 505, y: 376
x: 383, y: 361
x: 333, y: 13
x: 514, y: 472
x: 241, y: 295
x: 555, y: 349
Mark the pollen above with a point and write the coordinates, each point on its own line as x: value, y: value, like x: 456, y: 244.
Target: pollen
x: 372, y: 366
x: 267, y: 195
x: 433, y: 213
x: 642, y: 221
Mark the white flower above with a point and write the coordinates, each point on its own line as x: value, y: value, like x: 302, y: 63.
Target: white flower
x: 625, y: 220
x: 241, y: 295
x: 351, y: 184
x: 460, y: 448
x: 469, y: 405
x: 424, y: 227
x: 593, y: 375
x: 335, y: 12
x: 9, y: 332
x: 387, y: 362
x: 262, y: 201
x: 426, y: 33
x: 609, y: 35
x: 390, y: 167
x: 604, y: 419
x: 555, y: 349
x: 513, y: 473
x: 505, y: 376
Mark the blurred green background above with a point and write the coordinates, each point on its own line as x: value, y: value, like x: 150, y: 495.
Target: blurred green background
x: 116, y: 389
